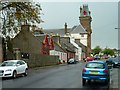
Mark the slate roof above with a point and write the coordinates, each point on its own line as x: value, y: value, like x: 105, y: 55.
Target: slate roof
x: 66, y: 47
x: 81, y: 45
x: 65, y: 43
x: 61, y: 32
x: 78, y: 29
x: 57, y: 47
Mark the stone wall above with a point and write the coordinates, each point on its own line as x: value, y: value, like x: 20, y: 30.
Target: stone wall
x: 26, y: 46
x: 41, y: 60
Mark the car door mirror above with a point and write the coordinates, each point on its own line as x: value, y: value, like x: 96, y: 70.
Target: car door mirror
x: 18, y: 65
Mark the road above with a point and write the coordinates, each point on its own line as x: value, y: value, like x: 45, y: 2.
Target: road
x: 61, y: 76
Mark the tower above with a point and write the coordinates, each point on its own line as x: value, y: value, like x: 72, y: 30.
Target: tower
x: 85, y: 20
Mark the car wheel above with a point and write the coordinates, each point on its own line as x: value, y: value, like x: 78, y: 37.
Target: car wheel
x: 14, y: 74
x: 83, y: 81
x: 26, y: 72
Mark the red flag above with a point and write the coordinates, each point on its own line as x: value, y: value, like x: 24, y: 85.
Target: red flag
x: 51, y: 43
x: 84, y: 13
x: 45, y: 46
x: 45, y: 41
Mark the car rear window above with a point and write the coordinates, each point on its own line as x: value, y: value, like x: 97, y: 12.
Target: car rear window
x: 95, y: 65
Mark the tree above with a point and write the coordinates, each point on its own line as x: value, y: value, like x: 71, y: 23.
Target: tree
x: 14, y: 14
x: 96, y: 50
x: 108, y: 51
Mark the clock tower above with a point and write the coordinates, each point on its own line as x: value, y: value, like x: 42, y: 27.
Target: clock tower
x: 85, y: 21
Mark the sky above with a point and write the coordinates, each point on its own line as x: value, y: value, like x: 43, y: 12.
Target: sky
x: 104, y: 19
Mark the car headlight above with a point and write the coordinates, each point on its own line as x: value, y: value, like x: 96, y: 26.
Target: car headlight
x: 8, y: 70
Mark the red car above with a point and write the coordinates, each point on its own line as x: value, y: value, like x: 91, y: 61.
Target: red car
x: 89, y: 59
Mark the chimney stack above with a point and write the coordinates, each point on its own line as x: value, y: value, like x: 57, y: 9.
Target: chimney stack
x: 65, y: 28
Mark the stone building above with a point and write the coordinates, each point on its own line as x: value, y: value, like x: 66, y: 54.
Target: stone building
x: 85, y: 21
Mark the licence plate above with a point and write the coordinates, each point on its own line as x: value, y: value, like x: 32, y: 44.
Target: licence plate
x: 93, y: 72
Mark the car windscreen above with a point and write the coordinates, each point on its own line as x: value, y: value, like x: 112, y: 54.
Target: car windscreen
x: 95, y: 65
x: 8, y: 64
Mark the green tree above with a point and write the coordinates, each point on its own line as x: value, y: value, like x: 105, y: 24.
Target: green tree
x: 108, y: 51
x: 96, y: 50
x: 14, y: 14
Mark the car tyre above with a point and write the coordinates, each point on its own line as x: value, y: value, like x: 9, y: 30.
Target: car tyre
x: 26, y: 72
x: 83, y: 81
x: 14, y: 74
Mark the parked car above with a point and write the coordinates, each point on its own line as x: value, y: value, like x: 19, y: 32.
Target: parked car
x: 96, y: 57
x: 11, y: 68
x: 72, y: 61
x: 114, y: 62
x: 110, y: 62
x: 95, y: 70
x: 89, y: 59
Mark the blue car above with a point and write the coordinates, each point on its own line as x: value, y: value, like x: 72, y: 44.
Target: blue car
x: 95, y: 70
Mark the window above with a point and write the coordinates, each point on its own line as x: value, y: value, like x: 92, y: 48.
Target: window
x: 20, y: 62
x: 95, y: 65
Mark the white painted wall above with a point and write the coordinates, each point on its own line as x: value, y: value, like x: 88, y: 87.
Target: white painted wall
x: 78, y: 50
x: 62, y: 55
x: 83, y: 40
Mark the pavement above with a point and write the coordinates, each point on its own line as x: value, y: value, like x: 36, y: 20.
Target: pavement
x: 114, y: 82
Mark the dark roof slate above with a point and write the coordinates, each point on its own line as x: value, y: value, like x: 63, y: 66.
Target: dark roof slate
x: 61, y: 32
x: 81, y: 45
x: 78, y: 29
x: 65, y: 43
